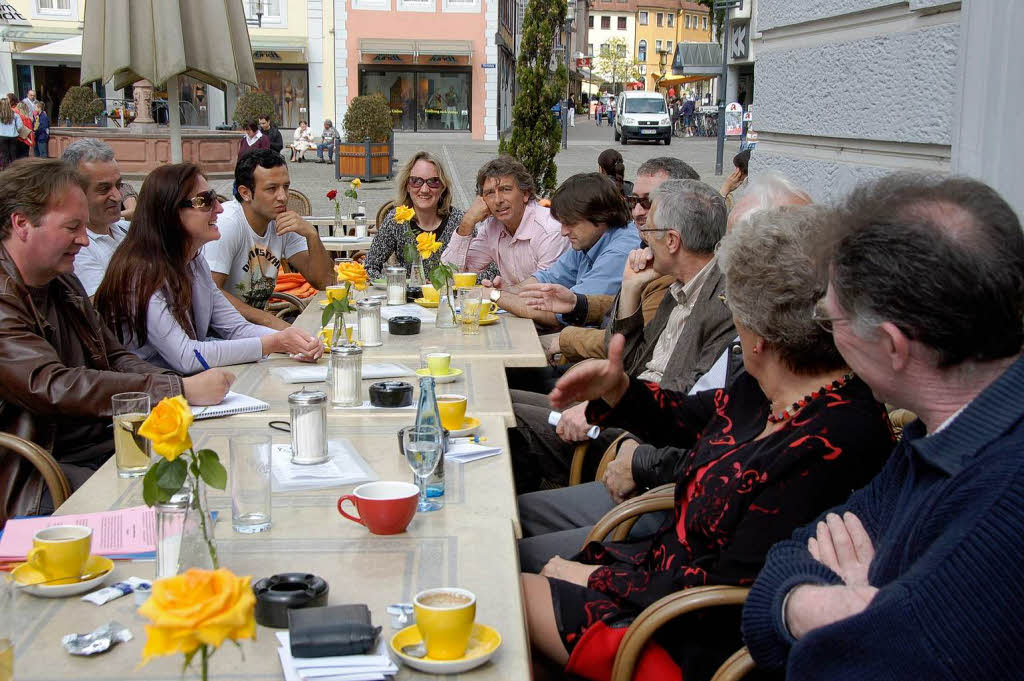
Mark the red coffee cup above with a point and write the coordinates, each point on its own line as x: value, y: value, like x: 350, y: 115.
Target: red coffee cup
x: 384, y: 507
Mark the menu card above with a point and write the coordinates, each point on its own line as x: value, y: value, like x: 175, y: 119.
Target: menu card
x: 114, y: 533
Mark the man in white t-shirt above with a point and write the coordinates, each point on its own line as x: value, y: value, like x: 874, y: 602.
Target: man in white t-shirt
x: 95, y: 160
x: 258, y: 233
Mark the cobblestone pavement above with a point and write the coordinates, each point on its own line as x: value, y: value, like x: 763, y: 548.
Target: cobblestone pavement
x: 463, y: 158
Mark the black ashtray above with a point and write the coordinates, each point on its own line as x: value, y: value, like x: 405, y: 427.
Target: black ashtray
x: 278, y: 594
x: 413, y: 293
x: 403, y: 326
x: 391, y: 394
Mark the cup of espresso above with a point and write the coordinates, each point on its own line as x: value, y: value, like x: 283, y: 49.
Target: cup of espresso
x: 439, y: 363
x: 60, y: 552
x: 453, y: 410
x: 445, y: 619
x: 488, y: 307
x: 430, y: 294
x: 384, y: 507
x: 464, y: 279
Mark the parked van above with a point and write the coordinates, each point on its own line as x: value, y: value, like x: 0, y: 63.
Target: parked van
x: 641, y: 115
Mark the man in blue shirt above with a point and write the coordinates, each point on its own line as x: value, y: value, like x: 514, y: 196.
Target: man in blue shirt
x: 596, y: 221
x: 917, y: 575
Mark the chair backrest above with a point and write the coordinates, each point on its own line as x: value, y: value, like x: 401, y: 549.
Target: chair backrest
x: 383, y: 211
x: 15, y: 480
x: 299, y: 202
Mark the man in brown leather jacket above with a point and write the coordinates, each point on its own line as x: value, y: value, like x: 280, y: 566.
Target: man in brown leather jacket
x: 59, y: 365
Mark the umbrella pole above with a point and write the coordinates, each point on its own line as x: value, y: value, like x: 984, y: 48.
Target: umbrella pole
x: 174, y: 117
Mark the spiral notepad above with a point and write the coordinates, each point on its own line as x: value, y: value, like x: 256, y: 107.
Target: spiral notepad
x: 233, y: 403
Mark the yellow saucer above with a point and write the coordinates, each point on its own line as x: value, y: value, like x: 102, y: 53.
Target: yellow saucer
x: 446, y: 378
x: 469, y: 426
x: 28, y: 579
x: 483, y: 643
x: 423, y: 302
x: 489, y: 319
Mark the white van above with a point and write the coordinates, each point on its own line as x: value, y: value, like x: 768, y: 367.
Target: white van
x: 641, y: 115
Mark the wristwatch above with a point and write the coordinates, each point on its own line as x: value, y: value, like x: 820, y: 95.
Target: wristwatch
x: 495, y: 294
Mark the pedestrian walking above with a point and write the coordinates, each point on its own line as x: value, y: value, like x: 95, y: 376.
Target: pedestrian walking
x: 611, y: 115
x: 42, y: 130
x: 599, y: 112
x: 572, y: 111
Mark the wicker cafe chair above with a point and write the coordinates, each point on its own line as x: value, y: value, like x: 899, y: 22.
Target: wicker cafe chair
x: 579, y: 458
x: 299, y: 202
x: 47, y: 466
x: 381, y: 214
x: 615, y: 525
x: 285, y: 304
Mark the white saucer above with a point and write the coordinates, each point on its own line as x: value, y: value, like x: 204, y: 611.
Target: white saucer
x: 446, y: 378
x: 26, y: 576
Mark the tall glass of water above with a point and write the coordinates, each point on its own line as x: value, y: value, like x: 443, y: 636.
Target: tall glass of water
x: 250, y: 483
x: 132, y: 452
x: 422, y: 445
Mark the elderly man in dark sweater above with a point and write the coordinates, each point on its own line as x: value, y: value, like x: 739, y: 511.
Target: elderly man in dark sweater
x: 919, y: 574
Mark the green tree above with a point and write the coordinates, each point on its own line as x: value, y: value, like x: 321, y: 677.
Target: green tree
x: 615, y: 63
x: 251, y: 106
x: 536, y: 133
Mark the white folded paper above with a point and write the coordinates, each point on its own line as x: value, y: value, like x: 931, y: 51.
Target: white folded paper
x: 464, y: 453
x: 318, y: 373
x: 555, y: 417
x: 408, y: 310
x: 366, y: 405
x: 373, y: 667
x: 344, y: 467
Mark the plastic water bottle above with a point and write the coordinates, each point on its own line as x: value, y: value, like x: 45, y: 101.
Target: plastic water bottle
x: 427, y: 414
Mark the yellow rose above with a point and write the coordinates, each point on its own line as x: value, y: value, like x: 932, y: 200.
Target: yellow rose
x: 427, y: 244
x: 167, y: 427
x: 403, y: 214
x: 200, y: 607
x: 352, y: 273
x: 356, y: 183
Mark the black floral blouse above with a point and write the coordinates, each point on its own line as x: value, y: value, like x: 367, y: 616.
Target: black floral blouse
x: 392, y: 237
x: 735, y: 496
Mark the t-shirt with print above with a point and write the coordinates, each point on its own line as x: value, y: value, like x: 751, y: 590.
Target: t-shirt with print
x: 250, y: 261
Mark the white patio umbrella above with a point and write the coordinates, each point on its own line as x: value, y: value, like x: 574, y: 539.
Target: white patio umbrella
x: 159, y: 40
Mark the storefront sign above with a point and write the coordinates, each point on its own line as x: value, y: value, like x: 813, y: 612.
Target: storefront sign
x: 10, y: 16
x: 739, y: 41
x: 584, y: 62
x: 279, y: 56
x: 734, y: 119
x: 488, y: 66
x: 388, y: 59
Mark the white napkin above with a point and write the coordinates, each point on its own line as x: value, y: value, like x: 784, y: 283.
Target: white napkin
x: 464, y: 453
x: 367, y: 405
x: 344, y: 467
x: 348, y: 667
x: 318, y: 373
x: 408, y: 310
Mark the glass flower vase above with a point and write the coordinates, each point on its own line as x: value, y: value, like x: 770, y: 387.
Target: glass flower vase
x: 416, y: 274
x: 198, y: 546
x: 445, y: 310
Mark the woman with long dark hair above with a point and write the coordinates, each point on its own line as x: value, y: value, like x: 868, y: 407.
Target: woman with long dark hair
x: 160, y: 298
x: 610, y: 163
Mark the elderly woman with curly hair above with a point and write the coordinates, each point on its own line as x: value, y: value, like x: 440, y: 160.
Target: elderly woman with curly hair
x: 785, y: 441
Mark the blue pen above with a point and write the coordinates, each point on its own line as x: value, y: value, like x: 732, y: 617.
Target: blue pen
x: 202, y: 361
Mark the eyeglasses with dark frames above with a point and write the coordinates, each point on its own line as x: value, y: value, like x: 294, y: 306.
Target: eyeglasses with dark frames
x: 633, y: 199
x: 822, y: 317
x: 204, y: 201
x: 432, y: 182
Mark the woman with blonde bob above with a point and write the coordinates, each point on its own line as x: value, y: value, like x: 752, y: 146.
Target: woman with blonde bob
x: 422, y: 185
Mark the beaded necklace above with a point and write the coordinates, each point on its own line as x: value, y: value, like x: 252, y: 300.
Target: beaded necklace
x: 790, y: 411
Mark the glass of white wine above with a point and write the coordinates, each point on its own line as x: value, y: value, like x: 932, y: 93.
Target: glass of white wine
x: 422, y: 445
x: 132, y: 452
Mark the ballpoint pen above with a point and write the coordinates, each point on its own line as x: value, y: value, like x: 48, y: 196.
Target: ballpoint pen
x: 474, y: 440
x: 202, y: 360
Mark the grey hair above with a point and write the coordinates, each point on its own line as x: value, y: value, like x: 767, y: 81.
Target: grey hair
x: 87, y: 150
x: 673, y: 167
x: 771, y: 190
x: 772, y: 286
x: 693, y: 209
x: 328, y: 121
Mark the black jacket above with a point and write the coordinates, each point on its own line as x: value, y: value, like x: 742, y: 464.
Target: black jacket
x: 276, y: 141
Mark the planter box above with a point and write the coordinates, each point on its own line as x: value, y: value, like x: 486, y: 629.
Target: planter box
x: 366, y: 160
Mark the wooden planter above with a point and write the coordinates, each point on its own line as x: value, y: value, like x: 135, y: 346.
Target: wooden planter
x: 366, y: 160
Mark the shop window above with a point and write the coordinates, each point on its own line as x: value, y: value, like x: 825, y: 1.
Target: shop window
x: 606, y: 22
x: 289, y: 89
x: 622, y: 23
x: 671, y: 19
x: 661, y: 19
x: 422, y: 100
x: 641, y: 51
x: 642, y: 19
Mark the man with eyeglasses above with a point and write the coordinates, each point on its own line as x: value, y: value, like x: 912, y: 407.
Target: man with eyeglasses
x: 257, y: 234
x: 94, y: 159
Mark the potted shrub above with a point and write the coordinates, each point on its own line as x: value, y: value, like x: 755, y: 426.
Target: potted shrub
x: 80, y: 106
x: 251, y: 106
x: 369, y: 146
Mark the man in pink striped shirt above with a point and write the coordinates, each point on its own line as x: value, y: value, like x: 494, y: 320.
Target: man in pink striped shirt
x: 512, y: 229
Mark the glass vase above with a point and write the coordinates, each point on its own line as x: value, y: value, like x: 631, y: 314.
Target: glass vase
x: 198, y: 547
x: 416, y: 274
x: 446, y: 310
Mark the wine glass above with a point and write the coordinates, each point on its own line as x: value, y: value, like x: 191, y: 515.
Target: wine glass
x: 422, y: 446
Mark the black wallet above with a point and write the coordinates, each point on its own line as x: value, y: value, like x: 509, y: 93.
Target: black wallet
x: 333, y: 630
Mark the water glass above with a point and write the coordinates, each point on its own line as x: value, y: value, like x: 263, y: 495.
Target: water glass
x: 7, y: 619
x: 469, y: 309
x: 250, y: 483
x: 422, y: 446
x: 132, y: 452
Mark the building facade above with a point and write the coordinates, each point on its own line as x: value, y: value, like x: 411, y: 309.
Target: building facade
x: 607, y: 20
x: 655, y: 38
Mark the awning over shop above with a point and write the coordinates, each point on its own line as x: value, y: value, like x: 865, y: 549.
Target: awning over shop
x: 69, y: 47
x: 277, y: 43
x: 415, y: 48
x: 669, y: 81
x: 697, y: 59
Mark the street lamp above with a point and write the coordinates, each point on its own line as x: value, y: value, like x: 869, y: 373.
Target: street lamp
x: 570, y: 14
x: 255, y: 10
x: 662, y: 65
x: 723, y: 5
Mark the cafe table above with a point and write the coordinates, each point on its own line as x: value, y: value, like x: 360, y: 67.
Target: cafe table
x: 470, y: 543
x: 511, y: 341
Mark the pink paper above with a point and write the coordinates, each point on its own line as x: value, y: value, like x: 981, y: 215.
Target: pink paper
x: 128, y: 530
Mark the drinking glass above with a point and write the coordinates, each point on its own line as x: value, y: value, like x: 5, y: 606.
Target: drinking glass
x: 6, y: 628
x: 250, y: 483
x: 469, y: 312
x: 132, y: 452
x: 422, y: 445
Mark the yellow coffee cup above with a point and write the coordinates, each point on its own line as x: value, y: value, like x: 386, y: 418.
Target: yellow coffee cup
x: 439, y: 363
x: 327, y: 333
x: 430, y: 294
x: 453, y: 410
x: 488, y: 307
x: 445, y: 620
x: 336, y: 293
x: 464, y: 279
x: 60, y: 552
